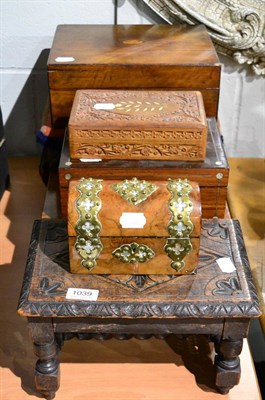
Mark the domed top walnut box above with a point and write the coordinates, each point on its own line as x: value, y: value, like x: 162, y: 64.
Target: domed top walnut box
x: 133, y: 226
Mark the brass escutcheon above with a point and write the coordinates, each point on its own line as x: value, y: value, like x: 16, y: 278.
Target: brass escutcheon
x: 133, y: 253
x: 134, y: 191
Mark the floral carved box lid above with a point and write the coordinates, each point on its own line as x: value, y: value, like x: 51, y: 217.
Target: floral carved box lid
x: 128, y: 124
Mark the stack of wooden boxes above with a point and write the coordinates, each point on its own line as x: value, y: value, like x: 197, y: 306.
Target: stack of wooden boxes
x: 138, y: 98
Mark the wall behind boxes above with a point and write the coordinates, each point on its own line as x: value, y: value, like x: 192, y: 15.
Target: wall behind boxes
x: 26, y: 30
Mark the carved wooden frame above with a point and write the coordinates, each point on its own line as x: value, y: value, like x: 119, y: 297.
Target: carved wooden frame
x: 236, y: 28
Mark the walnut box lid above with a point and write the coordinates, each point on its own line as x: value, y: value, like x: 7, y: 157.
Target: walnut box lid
x: 128, y: 124
x: 85, y: 45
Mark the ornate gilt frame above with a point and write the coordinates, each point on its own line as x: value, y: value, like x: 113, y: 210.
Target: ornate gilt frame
x: 237, y: 28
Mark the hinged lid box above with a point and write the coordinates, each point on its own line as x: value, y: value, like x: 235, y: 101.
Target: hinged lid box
x: 133, y: 226
x: 154, y: 125
x: 211, y: 174
x: 131, y: 57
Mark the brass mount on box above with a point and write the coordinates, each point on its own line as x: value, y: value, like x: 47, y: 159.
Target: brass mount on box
x: 88, y: 226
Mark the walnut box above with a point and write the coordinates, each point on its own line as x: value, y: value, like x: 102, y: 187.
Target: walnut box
x: 135, y: 125
x: 133, y: 226
x: 131, y: 57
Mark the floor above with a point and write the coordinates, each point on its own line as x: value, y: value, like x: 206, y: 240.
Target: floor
x: 246, y: 198
x: 135, y: 370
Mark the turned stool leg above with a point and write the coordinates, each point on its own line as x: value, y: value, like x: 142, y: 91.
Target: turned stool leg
x: 47, y: 374
x: 46, y: 370
x: 227, y: 363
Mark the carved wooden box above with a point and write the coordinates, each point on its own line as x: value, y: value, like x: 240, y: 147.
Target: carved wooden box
x: 211, y: 174
x: 131, y: 57
x: 151, y: 125
x: 133, y: 226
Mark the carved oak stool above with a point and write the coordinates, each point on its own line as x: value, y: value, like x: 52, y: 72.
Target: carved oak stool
x: 215, y: 301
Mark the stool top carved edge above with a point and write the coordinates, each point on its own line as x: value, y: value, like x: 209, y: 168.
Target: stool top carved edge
x: 208, y: 293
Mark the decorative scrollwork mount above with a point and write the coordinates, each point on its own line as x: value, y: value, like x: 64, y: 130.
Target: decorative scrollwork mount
x: 236, y: 28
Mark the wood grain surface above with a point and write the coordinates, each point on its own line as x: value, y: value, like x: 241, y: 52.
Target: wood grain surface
x: 62, y: 100
x: 131, y: 44
x: 210, y: 293
x: 211, y: 302
x: 155, y: 209
x: 211, y: 174
x: 102, y: 370
x: 131, y: 57
x: 119, y: 124
x: 246, y: 198
x: 154, y: 233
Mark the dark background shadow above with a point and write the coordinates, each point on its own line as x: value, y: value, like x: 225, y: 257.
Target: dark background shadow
x: 27, y: 113
x: 23, y: 200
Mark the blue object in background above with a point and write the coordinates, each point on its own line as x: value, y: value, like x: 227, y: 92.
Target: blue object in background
x: 4, y: 173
